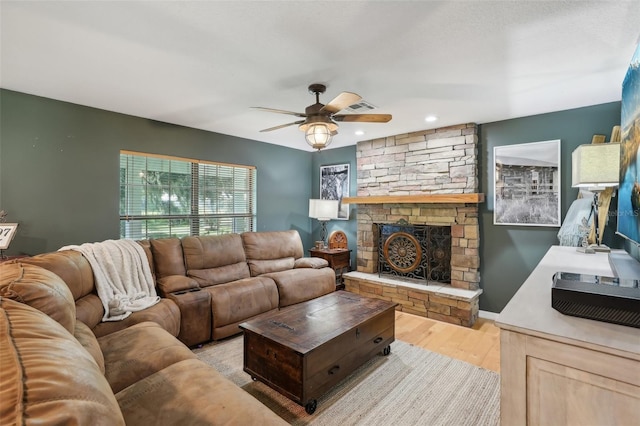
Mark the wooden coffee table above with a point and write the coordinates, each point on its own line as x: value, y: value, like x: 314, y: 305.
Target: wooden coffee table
x: 305, y: 349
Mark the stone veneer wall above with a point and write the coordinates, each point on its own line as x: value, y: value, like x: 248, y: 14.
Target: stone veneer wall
x: 438, y: 161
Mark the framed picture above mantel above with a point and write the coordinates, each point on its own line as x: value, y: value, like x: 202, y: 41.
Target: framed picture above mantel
x: 526, y: 187
x: 334, y: 185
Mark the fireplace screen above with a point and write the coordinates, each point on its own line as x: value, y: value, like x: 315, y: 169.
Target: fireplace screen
x: 418, y: 252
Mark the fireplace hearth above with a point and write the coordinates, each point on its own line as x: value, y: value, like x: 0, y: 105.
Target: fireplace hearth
x: 418, y: 253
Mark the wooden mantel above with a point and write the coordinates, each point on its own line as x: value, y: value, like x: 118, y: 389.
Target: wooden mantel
x: 416, y: 199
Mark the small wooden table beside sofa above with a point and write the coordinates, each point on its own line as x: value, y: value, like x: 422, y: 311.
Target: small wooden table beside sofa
x: 61, y: 364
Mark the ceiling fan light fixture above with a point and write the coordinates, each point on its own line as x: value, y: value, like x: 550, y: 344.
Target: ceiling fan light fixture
x: 319, y: 124
x: 318, y: 135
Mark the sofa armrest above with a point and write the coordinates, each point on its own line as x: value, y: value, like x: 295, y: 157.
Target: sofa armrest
x: 311, y: 262
x: 175, y: 283
x: 195, y: 315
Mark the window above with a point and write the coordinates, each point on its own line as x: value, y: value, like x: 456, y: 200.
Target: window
x: 164, y: 196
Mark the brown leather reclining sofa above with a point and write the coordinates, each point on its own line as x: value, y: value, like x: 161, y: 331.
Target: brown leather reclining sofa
x: 62, y: 365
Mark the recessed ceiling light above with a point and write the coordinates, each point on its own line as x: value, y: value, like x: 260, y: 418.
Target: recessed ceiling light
x: 359, y: 132
x: 430, y: 118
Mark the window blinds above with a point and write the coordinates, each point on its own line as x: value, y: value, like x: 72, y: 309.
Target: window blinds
x: 164, y: 197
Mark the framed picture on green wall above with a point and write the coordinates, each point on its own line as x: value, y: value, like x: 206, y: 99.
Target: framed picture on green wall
x: 7, y: 232
x: 527, y: 184
x: 334, y: 185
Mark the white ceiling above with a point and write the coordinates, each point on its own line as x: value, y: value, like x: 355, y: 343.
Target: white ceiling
x: 204, y: 63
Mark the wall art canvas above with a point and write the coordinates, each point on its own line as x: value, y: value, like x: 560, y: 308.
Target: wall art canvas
x: 527, y: 184
x: 629, y: 187
x: 334, y: 185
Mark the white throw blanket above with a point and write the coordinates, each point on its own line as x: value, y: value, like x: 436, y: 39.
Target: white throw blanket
x: 122, y: 276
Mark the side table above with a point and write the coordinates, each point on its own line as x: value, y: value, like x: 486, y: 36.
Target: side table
x: 339, y: 260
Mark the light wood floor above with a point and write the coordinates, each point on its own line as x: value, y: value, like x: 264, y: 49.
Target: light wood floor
x: 479, y: 345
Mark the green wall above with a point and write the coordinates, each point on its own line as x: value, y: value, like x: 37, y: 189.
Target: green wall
x: 59, y: 178
x: 59, y: 170
x: 508, y: 254
x: 349, y: 227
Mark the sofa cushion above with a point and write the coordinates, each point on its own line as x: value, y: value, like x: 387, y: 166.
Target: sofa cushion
x: 89, y: 310
x: 311, y: 262
x: 173, y: 283
x: 259, y: 267
x: 168, y: 258
x: 220, y: 275
x: 88, y: 340
x: 164, y: 313
x: 139, y: 351
x: 71, y: 266
x: 235, y: 302
x: 146, y: 246
x: 47, y: 376
x: 190, y: 392
x: 215, y: 259
x: 272, y: 245
x: 41, y: 289
x: 299, y: 285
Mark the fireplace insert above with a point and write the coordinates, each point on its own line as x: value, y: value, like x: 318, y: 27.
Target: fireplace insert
x: 415, y: 252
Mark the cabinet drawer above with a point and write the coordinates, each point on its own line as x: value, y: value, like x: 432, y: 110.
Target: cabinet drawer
x: 341, y: 260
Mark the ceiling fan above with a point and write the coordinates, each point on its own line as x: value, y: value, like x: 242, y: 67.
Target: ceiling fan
x: 319, y: 122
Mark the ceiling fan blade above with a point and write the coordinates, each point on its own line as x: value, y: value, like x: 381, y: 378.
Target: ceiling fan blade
x: 281, y: 111
x: 363, y: 118
x: 282, y: 126
x: 341, y: 101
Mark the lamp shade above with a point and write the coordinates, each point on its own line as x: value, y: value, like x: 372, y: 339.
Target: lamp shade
x: 318, y: 135
x: 323, y: 209
x: 595, y: 166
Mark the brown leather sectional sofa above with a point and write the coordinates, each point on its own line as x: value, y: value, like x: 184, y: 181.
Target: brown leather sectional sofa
x: 62, y: 365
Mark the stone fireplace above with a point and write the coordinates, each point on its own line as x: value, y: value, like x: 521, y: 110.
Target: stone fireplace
x: 423, y: 178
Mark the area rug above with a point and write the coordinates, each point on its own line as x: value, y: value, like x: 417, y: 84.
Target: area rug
x: 411, y: 386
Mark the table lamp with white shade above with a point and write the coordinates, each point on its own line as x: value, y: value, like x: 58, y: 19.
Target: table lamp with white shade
x: 323, y: 210
x: 596, y: 167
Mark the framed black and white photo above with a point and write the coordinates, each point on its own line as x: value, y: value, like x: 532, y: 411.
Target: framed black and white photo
x: 334, y: 185
x: 526, y: 187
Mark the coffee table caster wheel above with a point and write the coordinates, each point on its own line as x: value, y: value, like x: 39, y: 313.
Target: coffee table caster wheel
x: 386, y: 351
x: 311, y: 406
x: 255, y: 379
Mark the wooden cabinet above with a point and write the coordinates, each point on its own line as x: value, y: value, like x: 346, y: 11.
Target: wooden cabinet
x: 558, y: 369
x: 339, y: 260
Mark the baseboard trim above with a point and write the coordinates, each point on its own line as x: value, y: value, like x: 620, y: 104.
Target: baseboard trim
x: 488, y: 315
